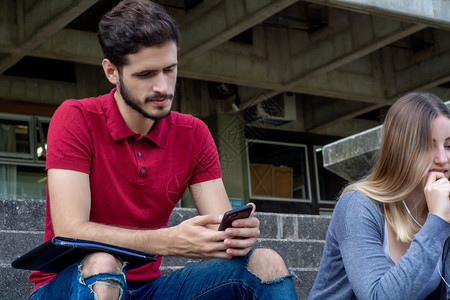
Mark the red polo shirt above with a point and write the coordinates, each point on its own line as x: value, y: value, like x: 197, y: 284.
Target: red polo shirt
x: 135, y: 180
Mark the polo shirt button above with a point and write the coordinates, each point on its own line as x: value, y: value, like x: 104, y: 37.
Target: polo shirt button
x: 143, y: 170
x: 139, y: 154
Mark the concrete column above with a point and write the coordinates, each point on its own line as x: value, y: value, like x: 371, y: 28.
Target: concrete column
x: 228, y: 133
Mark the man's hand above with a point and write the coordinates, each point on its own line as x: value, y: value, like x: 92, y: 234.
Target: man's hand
x: 193, y: 238
x: 210, y: 198
x: 242, y: 236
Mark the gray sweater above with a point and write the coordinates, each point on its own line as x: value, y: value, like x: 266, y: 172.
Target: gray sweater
x: 354, y: 265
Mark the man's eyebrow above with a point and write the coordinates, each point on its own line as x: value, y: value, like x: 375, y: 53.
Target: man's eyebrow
x: 142, y: 71
x: 172, y: 65
x: 153, y: 70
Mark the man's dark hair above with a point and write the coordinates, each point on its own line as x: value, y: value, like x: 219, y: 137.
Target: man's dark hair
x: 132, y: 25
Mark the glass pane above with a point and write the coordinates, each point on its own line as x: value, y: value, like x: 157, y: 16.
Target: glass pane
x: 22, y: 182
x: 42, y: 130
x: 15, y: 138
x: 278, y: 170
x: 329, y: 184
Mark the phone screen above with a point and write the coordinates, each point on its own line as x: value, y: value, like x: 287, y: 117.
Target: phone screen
x: 235, y: 214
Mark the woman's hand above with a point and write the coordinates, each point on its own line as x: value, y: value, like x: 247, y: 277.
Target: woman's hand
x: 437, y: 194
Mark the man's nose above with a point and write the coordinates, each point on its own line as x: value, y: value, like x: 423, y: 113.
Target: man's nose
x: 160, y: 83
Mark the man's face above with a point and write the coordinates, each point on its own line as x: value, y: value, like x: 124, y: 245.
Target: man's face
x: 147, y: 81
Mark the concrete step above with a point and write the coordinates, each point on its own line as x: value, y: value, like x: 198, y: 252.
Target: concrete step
x: 298, y: 253
x: 14, y: 283
x: 301, y: 257
x: 29, y: 215
x: 15, y: 243
x: 298, y: 238
x: 22, y: 215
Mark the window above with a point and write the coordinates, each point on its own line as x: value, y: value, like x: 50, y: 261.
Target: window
x: 22, y: 182
x: 15, y: 138
x: 23, y: 141
x: 42, y: 131
x: 278, y: 171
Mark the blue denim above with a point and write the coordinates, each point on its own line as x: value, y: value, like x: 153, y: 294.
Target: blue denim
x: 207, y: 279
x: 69, y: 284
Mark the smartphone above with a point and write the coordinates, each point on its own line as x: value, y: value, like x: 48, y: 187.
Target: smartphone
x: 238, y: 213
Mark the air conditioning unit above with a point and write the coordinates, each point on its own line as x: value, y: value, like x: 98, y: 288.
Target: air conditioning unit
x: 279, y: 110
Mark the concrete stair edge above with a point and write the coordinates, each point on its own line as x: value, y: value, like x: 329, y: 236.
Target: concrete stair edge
x: 29, y: 215
x: 298, y: 238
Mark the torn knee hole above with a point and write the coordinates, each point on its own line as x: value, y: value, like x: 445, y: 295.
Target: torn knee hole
x: 112, y: 283
x: 267, y: 265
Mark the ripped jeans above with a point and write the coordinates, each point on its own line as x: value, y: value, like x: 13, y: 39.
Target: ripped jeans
x: 207, y: 279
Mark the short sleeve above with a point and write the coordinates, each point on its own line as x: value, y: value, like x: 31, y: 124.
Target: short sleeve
x: 69, y: 143
x: 207, y: 165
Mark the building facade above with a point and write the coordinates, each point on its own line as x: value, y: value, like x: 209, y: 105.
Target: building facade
x: 275, y: 80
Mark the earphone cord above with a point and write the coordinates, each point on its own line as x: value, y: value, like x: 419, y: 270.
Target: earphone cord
x: 443, y: 278
x: 439, y: 271
x: 410, y: 214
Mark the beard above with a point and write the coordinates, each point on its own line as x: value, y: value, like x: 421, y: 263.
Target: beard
x: 133, y: 102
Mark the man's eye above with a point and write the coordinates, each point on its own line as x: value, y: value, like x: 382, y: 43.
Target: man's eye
x: 146, y: 74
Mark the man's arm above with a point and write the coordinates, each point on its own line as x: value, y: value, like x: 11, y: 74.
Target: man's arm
x: 210, y: 197
x: 70, y: 205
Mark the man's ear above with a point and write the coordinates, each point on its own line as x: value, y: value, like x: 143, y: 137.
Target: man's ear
x: 111, y: 71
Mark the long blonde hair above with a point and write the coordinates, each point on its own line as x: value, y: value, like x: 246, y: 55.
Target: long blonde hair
x: 404, y: 158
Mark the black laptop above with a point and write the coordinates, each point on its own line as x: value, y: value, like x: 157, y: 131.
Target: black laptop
x: 60, y: 252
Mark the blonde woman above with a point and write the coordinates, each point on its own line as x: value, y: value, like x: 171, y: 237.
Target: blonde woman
x: 389, y: 234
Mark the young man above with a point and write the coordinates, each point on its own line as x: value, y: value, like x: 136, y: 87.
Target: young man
x: 117, y: 165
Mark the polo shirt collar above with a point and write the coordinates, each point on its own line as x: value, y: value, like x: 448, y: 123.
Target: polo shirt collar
x: 119, y: 130
x: 160, y: 132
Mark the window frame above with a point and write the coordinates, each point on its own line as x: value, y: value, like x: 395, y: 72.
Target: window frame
x: 30, y: 158
x: 39, y: 122
x: 11, y: 156
x: 271, y: 198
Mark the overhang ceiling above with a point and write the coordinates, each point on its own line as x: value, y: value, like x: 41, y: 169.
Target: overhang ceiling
x: 346, y: 60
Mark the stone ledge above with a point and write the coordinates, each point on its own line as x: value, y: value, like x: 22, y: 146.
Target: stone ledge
x: 29, y: 215
x: 353, y: 157
x: 14, y: 283
x: 298, y: 239
x: 296, y: 253
x: 304, y: 253
x: 22, y: 214
x: 16, y: 243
